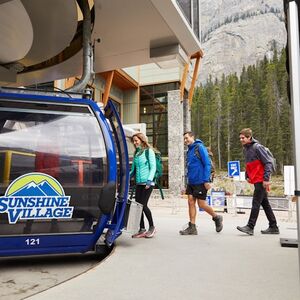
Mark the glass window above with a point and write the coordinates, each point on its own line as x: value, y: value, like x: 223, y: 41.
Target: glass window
x: 153, y: 112
x: 191, y: 11
x: 117, y: 106
x: 186, y: 6
x: 196, y: 14
x: 67, y: 147
x: 147, y: 108
x: 148, y: 89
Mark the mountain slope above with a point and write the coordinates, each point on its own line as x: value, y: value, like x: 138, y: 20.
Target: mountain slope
x: 239, y: 32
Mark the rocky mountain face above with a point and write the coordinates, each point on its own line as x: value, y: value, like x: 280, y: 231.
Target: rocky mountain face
x: 237, y: 33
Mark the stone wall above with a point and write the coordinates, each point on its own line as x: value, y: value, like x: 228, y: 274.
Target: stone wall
x: 175, y: 143
x: 187, y: 123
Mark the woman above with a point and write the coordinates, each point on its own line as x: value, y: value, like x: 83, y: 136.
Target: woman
x: 144, y: 168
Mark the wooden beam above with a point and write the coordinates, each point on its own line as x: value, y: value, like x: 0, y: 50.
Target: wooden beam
x: 195, y: 75
x: 197, y: 54
x: 69, y: 82
x: 108, y: 84
x: 126, y: 77
x: 121, y: 79
x: 183, y: 80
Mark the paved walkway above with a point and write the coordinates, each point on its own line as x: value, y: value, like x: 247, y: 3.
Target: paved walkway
x: 21, y: 277
x: 229, y: 265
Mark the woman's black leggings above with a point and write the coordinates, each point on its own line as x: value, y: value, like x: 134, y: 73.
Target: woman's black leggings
x: 142, y: 196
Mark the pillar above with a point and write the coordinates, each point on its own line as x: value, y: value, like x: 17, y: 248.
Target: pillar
x: 175, y: 143
x: 186, y: 116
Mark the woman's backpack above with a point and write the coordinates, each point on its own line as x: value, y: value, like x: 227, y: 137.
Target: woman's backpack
x: 159, y: 169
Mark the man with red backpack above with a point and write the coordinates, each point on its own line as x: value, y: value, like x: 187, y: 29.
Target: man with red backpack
x: 259, y: 167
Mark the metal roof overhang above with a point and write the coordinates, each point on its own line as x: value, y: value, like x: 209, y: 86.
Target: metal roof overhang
x: 126, y: 30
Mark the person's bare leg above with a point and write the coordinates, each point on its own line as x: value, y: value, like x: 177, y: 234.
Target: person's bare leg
x: 202, y: 204
x: 191, y: 229
x: 192, y: 209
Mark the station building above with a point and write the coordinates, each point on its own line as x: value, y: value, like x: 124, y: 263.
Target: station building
x: 146, y: 60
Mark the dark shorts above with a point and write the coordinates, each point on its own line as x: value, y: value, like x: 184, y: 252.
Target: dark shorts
x: 197, y: 190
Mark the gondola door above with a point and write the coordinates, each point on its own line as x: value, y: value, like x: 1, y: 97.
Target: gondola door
x: 117, y: 223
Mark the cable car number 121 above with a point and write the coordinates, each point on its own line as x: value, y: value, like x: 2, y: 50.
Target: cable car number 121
x: 32, y: 242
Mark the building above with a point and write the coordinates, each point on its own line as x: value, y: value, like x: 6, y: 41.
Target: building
x: 146, y: 59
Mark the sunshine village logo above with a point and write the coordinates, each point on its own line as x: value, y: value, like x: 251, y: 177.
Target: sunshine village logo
x: 35, y: 196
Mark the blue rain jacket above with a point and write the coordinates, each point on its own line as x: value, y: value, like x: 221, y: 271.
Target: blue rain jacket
x: 198, y: 170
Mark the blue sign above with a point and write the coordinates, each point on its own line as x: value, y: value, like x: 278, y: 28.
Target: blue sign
x: 233, y: 168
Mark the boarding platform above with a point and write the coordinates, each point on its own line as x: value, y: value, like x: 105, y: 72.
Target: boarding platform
x: 228, y: 265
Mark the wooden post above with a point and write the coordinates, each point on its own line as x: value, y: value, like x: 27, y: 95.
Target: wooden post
x: 108, y: 84
x: 69, y: 82
x: 183, y: 80
x: 198, y: 56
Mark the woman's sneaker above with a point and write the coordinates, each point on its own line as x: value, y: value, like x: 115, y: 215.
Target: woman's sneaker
x: 140, y: 234
x: 150, y: 233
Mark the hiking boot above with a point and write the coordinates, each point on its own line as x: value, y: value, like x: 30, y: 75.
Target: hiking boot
x: 150, y: 233
x: 190, y: 230
x: 140, y: 234
x: 270, y: 230
x: 245, y: 229
x: 218, y: 222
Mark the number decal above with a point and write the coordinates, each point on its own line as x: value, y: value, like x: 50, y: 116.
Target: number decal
x: 32, y: 242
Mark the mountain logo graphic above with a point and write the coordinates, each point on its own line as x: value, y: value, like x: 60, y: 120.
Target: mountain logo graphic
x: 41, y: 189
x: 35, y: 196
x: 35, y: 184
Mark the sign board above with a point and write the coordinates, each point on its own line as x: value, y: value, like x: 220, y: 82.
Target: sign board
x: 233, y: 168
x: 242, y: 176
x: 289, y: 180
x: 218, y: 198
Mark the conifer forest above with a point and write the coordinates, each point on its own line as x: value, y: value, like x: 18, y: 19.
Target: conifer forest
x: 258, y: 99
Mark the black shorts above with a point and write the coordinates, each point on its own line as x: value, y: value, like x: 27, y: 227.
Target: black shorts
x: 197, y: 190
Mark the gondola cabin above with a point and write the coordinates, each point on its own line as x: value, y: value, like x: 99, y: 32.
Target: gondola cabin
x: 60, y: 186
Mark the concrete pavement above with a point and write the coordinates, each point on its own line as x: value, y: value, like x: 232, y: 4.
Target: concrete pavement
x: 228, y: 265
x: 21, y: 277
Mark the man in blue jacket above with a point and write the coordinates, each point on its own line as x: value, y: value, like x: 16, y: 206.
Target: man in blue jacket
x: 198, y: 177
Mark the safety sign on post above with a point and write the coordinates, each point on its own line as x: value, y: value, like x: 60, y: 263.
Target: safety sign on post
x: 234, y: 168
x: 218, y: 198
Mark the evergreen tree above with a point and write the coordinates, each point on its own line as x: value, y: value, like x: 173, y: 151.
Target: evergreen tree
x: 257, y: 99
